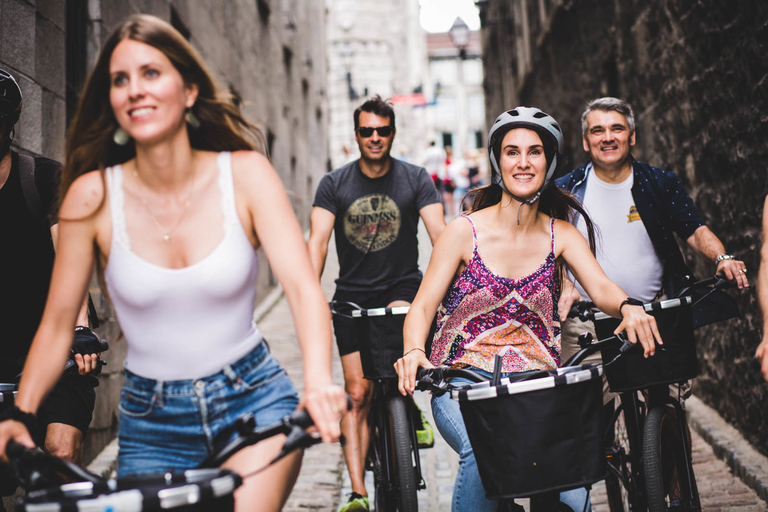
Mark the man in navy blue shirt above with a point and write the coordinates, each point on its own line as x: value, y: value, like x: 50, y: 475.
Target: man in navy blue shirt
x: 637, y: 208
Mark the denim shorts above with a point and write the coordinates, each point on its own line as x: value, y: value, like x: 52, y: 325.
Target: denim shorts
x: 174, y: 425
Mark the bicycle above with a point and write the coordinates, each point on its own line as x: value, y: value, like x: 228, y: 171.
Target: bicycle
x: 648, y: 443
x: 85, y: 341
x: 512, y: 434
x: 204, y: 488
x: 393, y: 454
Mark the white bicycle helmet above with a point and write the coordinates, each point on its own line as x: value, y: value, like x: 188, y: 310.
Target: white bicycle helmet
x: 533, y: 119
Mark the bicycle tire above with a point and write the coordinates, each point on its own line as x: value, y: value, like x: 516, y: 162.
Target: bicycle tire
x: 404, y: 453
x: 384, y: 497
x: 620, y: 485
x: 662, y: 453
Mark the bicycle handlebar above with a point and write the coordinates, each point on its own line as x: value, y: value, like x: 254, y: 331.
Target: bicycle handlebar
x: 584, y: 309
x: 292, y: 426
x: 352, y: 310
x: 435, y: 379
x: 86, y: 341
x: 36, y: 469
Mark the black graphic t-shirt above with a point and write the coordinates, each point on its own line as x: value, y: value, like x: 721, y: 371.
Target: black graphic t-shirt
x: 376, y: 223
x: 26, y: 259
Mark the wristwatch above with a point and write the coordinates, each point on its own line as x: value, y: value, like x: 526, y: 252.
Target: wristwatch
x: 631, y: 302
x: 722, y: 257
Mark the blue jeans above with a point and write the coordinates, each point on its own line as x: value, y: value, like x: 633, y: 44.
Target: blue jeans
x: 468, y: 491
x: 174, y: 425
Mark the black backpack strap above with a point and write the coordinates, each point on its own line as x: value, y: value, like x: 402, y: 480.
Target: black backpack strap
x: 29, y: 187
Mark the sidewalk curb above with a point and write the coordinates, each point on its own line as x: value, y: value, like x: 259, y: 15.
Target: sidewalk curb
x: 729, y: 445
x: 105, y: 463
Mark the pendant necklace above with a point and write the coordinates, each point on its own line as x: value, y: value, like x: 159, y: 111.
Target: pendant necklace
x: 166, y: 233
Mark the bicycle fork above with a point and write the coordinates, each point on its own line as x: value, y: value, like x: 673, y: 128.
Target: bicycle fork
x: 415, y: 443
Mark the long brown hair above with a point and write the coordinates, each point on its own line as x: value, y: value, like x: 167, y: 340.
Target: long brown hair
x: 89, y: 138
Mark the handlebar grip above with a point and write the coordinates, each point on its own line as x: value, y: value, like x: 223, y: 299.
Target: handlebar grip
x: 302, y: 419
x: 14, y: 450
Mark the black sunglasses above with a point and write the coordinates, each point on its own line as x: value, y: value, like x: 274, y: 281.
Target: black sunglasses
x: 383, y: 131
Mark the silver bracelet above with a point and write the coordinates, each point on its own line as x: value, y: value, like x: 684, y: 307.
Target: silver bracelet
x: 722, y: 257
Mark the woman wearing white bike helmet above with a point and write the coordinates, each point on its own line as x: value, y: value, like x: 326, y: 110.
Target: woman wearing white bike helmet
x: 494, y: 280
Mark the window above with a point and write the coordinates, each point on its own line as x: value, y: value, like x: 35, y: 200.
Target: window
x: 264, y: 10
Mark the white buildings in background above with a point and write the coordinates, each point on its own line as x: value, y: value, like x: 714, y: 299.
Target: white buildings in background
x: 379, y: 47
x: 458, y: 115
x: 376, y: 47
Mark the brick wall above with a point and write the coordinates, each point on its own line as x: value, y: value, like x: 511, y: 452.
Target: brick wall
x: 696, y: 73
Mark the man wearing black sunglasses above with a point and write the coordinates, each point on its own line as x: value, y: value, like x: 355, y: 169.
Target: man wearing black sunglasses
x: 373, y: 204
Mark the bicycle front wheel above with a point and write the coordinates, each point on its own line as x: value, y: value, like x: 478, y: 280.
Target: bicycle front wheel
x: 666, y: 464
x: 620, y: 483
x: 404, y: 454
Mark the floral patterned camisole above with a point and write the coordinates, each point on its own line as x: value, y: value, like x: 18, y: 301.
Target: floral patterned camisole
x: 483, y: 313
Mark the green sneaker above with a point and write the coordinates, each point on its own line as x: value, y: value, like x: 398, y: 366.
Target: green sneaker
x: 425, y: 436
x: 356, y: 503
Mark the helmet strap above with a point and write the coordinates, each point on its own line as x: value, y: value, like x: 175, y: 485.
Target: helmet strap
x: 530, y: 201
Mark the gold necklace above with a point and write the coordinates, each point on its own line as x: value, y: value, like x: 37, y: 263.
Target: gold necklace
x: 167, y: 232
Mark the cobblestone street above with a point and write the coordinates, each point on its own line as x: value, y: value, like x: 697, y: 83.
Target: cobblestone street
x: 323, y: 481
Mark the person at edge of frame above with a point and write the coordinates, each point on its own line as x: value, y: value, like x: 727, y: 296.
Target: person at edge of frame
x: 761, y: 354
x: 28, y: 196
x: 373, y: 206
x: 167, y: 191
x: 486, y: 300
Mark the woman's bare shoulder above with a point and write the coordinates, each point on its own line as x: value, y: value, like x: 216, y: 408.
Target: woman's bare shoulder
x: 84, y: 196
x: 249, y: 161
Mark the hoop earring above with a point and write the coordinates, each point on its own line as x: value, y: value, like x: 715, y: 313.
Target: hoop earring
x: 121, y: 137
x: 192, y: 119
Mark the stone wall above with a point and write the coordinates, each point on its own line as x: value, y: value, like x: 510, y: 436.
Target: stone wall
x: 696, y: 73
x: 270, y: 53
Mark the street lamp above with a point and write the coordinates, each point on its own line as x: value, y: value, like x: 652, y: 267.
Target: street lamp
x: 459, y: 34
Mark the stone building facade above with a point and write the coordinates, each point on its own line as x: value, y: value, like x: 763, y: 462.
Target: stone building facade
x: 696, y: 73
x: 375, y: 48
x: 269, y: 53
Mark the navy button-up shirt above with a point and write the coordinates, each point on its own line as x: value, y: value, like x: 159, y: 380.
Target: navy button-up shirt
x: 664, y: 207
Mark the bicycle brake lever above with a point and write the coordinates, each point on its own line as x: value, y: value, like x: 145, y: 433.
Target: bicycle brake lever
x: 296, y: 439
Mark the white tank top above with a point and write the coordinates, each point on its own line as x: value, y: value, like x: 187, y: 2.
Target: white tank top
x: 189, y: 322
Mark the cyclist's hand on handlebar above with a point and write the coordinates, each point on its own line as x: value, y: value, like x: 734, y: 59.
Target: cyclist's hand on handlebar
x: 326, y: 405
x: 569, y: 295
x: 406, y: 368
x: 640, y: 327
x: 87, y: 363
x: 10, y: 429
x: 734, y: 270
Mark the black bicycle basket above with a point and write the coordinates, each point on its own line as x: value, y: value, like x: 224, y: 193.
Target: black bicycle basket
x: 536, y: 432
x: 674, y: 361
x: 195, y: 490
x: 380, y: 334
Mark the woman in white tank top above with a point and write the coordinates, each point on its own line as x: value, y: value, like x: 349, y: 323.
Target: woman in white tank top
x: 175, y: 220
